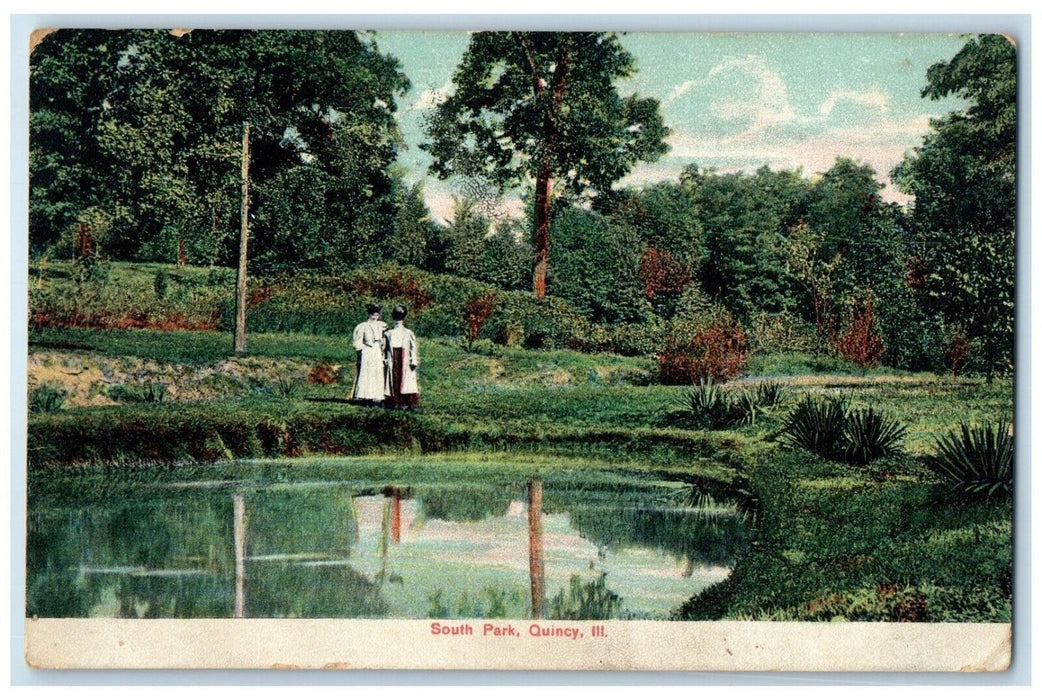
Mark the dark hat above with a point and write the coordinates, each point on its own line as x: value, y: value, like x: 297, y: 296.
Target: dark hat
x: 373, y: 309
x: 399, y: 312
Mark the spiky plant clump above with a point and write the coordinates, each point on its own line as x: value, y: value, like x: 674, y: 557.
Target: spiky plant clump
x: 975, y: 461
x: 769, y: 393
x: 744, y: 408
x: 705, y: 404
x: 817, y: 426
x: 870, y: 435
x: 46, y: 397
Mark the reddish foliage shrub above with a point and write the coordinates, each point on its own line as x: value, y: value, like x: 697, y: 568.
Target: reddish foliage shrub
x: 955, y: 352
x: 259, y: 295
x: 661, y: 274
x: 477, y: 311
x: 324, y: 373
x: 718, y: 351
x: 918, y: 269
x: 49, y: 317
x: 394, y: 286
x: 862, y: 344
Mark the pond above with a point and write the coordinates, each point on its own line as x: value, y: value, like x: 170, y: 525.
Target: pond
x: 357, y: 538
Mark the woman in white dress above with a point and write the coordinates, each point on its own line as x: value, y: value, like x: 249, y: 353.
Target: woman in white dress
x: 401, y: 360
x: 367, y: 339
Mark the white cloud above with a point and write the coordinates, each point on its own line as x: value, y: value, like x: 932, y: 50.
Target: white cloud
x: 874, y: 99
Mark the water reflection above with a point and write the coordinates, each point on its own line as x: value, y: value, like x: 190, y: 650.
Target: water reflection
x: 543, y: 548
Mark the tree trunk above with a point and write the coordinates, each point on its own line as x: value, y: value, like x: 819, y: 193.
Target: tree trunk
x: 542, y: 231
x: 535, y: 546
x: 244, y: 233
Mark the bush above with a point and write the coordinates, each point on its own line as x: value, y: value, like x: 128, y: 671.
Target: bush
x: 694, y: 351
x: 862, y: 344
x: 477, y: 311
x: 870, y: 435
x: 817, y: 426
x: 707, y: 406
x: 46, y: 397
x: 769, y: 393
x: 829, y: 430
x: 704, y: 405
x: 975, y: 462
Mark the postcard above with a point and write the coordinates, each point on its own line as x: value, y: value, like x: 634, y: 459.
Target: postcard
x: 575, y: 350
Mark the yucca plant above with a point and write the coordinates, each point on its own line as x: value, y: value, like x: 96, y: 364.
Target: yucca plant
x: 975, y: 461
x: 705, y: 404
x: 46, y: 398
x: 744, y: 408
x: 817, y: 426
x: 870, y: 435
x: 769, y: 393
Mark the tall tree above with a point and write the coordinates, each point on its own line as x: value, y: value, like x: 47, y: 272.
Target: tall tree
x: 963, y: 179
x: 543, y: 106
x: 155, y: 118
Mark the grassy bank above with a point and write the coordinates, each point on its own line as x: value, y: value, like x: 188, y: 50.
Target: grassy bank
x: 875, y: 542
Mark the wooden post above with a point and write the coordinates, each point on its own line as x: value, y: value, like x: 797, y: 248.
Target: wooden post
x: 239, y: 532
x: 396, y: 515
x: 535, y: 545
x: 240, y: 285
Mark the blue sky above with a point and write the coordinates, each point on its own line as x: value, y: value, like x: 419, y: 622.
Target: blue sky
x: 735, y: 101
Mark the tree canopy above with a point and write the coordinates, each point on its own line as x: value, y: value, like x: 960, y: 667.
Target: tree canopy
x: 543, y: 106
x: 146, y: 127
x: 964, y: 179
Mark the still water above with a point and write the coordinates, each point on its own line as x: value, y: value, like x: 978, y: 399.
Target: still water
x: 367, y: 541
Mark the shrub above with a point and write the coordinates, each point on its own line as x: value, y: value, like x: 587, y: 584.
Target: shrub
x: 704, y: 404
x: 590, y: 600
x: 46, y: 397
x: 829, y: 430
x: 693, y: 351
x: 477, y: 311
x: 324, y: 374
x: 769, y: 393
x: 745, y: 408
x: 152, y: 392
x: 870, y: 435
x: 975, y: 462
x: 781, y: 333
x: 862, y: 344
x: 956, y: 350
x: 817, y: 426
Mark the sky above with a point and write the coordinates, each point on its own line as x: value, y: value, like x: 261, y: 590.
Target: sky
x: 733, y: 102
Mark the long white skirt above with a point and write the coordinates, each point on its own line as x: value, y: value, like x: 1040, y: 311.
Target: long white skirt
x: 369, y: 382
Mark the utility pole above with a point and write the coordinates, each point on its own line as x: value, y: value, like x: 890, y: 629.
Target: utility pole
x: 244, y: 234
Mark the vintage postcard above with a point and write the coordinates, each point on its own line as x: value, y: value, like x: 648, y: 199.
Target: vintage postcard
x: 520, y: 350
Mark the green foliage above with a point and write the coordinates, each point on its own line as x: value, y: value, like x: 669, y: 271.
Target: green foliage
x: 147, y: 126
x: 46, y: 397
x: 705, y: 404
x: 870, y: 435
x: 828, y: 429
x: 976, y: 461
x: 769, y: 393
x: 708, y: 406
x: 585, y: 600
x: 963, y: 179
x: 596, y: 267
x: 146, y: 392
x: 543, y: 106
x: 817, y: 426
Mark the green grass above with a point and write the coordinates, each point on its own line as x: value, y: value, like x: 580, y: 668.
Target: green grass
x: 832, y: 540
